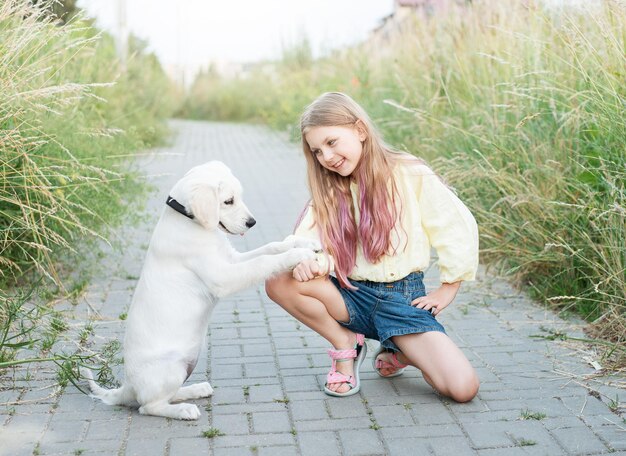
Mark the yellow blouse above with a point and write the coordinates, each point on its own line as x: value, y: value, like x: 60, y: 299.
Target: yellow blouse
x: 431, y: 215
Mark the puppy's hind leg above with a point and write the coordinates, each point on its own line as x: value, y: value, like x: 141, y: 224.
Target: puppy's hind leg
x: 159, y: 384
x: 196, y: 391
x: 177, y: 411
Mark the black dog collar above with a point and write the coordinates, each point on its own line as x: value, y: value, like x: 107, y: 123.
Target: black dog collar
x: 171, y: 202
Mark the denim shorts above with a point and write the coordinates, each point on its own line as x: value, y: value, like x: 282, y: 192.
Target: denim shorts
x: 381, y: 310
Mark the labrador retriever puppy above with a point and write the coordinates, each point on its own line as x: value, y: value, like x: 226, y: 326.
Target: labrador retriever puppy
x: 188, y: 266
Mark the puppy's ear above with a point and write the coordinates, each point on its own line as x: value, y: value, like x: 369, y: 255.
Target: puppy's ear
x: 205, y: 206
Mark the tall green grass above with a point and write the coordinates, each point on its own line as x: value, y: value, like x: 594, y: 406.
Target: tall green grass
x: 523, y: 111
x: 70, y: 123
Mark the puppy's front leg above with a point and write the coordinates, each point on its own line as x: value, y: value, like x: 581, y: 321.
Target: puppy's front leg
x: 273, y: 248
x: 226, y: 278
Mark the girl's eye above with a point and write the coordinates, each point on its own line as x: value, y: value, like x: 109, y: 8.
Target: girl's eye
x: 332, y: 142
x: 317, y: 152
x: 229, y: 201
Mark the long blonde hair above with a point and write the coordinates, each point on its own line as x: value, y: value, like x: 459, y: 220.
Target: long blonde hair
x: 332, y: 203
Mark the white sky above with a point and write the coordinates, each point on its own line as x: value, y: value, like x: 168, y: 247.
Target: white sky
x: 198, y: 31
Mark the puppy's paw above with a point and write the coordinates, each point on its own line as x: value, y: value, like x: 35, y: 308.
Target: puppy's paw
x: 204, y: 389
x: 188, y: 412
x: 298, y: 255
x: 302, y: 242
x: 182, y: 411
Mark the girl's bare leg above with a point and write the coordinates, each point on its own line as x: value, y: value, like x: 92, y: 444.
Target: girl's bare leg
x: 317, y: 304
x: 443, y: 364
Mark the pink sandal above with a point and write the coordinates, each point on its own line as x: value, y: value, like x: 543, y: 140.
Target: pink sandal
x: 353, y: 381
x: 394, y: 364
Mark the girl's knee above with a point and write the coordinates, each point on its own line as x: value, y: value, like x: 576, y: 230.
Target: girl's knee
x: 464, y: 388
x: 277, y: 286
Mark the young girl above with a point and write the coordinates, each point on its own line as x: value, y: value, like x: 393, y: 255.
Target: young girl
x: 377, y: 212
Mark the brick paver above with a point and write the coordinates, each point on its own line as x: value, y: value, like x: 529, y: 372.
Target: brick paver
x: 268, y: 370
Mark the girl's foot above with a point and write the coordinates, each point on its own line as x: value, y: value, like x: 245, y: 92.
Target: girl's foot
x: 345, y: 367
x: 389, y: 364
x: 342, y: 379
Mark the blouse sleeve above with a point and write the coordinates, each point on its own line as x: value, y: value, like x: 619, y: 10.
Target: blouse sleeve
x: 308, y: 229
x: 450, y: 227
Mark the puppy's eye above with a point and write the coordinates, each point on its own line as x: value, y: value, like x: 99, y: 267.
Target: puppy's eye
x: 229, y: 201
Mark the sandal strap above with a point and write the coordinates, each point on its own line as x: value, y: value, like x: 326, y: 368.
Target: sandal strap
x: 342, y: 355
x: 394, y: 358
x: 337, y: 377
x: 394, y: 364
x: 351, y: 353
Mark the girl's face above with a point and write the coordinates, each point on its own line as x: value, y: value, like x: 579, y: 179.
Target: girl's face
x: 337, y: 148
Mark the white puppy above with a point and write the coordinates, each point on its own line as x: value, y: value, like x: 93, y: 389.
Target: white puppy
x: 188, y: 266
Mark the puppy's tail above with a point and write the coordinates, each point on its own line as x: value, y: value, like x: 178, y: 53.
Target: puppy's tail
x: 117, y: 396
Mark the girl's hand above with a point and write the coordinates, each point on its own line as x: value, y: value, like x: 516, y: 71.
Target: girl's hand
x: 438, y: 299
x: 307, y: 270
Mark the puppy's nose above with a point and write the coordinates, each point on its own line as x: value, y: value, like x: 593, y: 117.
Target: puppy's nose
x: 250, y: 222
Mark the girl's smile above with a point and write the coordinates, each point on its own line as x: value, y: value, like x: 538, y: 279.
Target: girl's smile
x: 338, y: 164
x: 337, y: 148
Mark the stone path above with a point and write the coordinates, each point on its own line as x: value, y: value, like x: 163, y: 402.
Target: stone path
x: 268, y: 370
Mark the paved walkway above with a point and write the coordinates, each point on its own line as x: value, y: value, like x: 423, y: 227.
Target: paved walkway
x: 268, y: 370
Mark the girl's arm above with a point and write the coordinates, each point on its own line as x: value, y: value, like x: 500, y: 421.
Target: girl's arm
x: 450, y: 227
x: 323, y: 264
x: 439, y: 299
